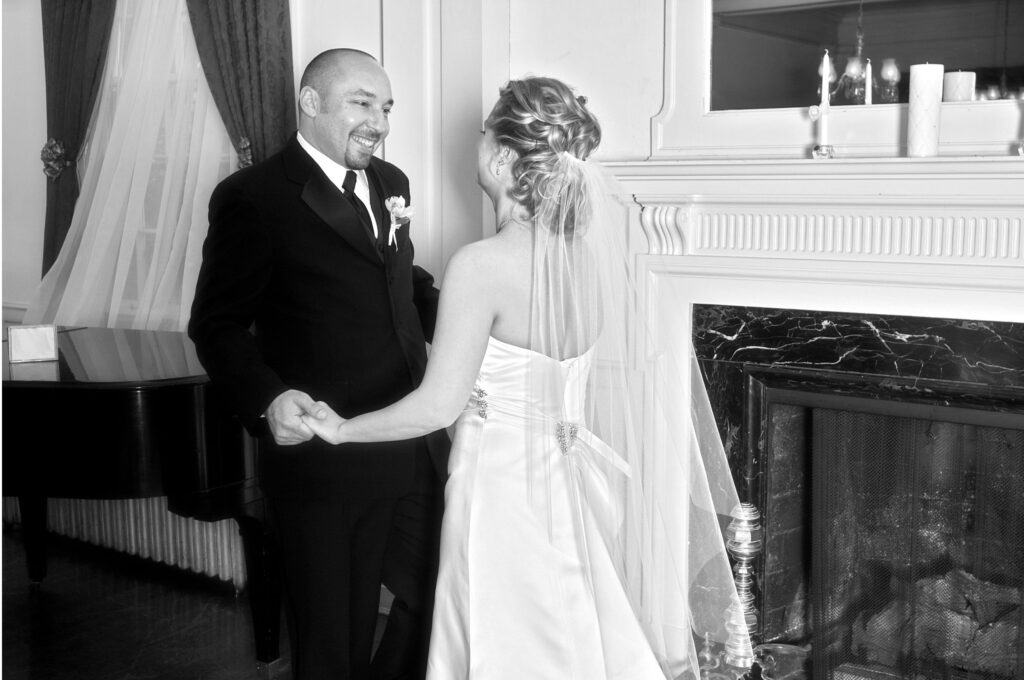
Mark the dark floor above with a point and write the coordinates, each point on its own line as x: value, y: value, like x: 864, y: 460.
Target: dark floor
x: 99, y: 615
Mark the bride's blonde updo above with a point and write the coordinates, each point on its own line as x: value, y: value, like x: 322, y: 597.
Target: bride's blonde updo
x: 550, y: 129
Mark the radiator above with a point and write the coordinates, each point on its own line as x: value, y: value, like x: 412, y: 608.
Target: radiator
x: 144, y: 527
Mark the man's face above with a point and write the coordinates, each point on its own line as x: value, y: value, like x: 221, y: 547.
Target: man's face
x: 351, y: 121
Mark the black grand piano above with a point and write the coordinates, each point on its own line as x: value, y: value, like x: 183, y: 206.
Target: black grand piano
x: 131, y: 414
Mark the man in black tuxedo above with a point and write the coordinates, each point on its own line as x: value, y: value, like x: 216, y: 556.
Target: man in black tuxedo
x: 308, y: 292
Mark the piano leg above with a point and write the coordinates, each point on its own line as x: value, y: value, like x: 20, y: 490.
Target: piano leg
x: 263, y: 578
x: 33, y: 529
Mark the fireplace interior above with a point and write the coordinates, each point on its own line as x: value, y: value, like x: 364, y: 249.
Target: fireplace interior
x: 886, y: 456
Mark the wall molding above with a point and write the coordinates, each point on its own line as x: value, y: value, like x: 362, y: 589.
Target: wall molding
x: 14, y: 312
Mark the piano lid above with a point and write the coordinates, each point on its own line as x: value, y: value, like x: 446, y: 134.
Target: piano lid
x: 111, y: 355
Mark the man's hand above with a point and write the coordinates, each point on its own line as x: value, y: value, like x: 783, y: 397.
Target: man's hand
x: 284, y: 416
x: 327, y: 426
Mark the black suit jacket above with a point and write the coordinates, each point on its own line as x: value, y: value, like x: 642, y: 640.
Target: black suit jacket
x: 292, y: 293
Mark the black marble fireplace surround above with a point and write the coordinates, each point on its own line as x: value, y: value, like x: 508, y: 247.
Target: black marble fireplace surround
x: 785, y: 384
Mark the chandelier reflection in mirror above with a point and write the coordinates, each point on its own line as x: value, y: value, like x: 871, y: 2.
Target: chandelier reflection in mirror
x: 857, y: 85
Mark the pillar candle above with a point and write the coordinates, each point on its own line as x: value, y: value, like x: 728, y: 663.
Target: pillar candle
x: 867, y: 84
x: 923, y: 110
x: 958, y: 86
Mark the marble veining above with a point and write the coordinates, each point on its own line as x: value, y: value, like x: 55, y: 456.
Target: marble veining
x: 983, y: 352
x: 746, y: 354
x: 951, y: 362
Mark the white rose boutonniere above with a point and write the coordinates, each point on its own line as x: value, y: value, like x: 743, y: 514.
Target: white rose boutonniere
x: 400, y: 214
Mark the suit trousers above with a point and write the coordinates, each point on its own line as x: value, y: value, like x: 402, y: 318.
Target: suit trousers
x: 336, y: 553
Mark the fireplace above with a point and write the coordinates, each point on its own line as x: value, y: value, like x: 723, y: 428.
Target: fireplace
x: 875, y: 239
x: 885, y: 454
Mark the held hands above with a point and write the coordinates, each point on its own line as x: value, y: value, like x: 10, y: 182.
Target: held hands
x: 289, y: 416
x: 326, y: 426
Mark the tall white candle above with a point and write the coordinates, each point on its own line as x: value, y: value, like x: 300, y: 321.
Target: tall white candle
x: 867, y: 84
x: 823, y: 107
x: 826, y: 71
x: 923, y: 110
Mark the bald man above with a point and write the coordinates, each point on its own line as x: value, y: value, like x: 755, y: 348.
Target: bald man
x: 307, y: 293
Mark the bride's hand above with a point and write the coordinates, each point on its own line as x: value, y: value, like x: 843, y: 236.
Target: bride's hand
x: 327, y: 427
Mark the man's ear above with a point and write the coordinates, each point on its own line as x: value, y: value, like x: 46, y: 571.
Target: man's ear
x: 309, y: 101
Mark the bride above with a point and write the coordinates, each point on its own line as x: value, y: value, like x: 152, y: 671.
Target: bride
x: 571, y: 547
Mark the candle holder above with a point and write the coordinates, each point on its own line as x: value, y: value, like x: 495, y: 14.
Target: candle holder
x: 820, y: 151
x: 819, y: 115
x: 890, y: 92
x: 744, y: 541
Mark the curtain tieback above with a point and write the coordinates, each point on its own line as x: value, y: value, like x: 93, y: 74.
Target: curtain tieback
x: 244, y: 152
x: 54, y: 158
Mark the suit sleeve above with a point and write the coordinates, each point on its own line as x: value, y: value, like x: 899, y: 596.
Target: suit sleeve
x: 425, y: 297
x: 425, y: 293
x: 236, y: 270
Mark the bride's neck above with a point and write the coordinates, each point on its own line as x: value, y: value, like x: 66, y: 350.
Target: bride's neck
x: 509, y: 212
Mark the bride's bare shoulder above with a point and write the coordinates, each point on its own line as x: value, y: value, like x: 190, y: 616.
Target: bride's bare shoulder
x: 488, y: 259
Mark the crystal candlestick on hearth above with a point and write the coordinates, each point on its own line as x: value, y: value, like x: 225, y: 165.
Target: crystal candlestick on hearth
x: 744, y: 541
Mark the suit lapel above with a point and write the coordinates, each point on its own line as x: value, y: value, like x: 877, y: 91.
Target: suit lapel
x: 378, y: 191
x: 327, y: 201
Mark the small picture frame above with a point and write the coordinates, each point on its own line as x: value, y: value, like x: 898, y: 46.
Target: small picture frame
x: 31, y: 343
x: 36, y: 371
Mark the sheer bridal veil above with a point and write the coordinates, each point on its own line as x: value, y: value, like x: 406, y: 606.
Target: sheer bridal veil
x: 650, y: 480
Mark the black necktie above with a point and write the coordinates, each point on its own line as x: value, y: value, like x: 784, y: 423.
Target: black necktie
x: 349, y: 185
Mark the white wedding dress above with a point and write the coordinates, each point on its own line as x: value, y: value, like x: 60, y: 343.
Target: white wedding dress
x: 526, y: 588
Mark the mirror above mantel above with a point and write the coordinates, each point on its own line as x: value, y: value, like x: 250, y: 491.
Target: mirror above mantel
x: 767, y: 53
x: 690, y: 128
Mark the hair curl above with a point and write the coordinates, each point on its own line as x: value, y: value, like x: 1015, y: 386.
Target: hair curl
x: 551, y: 130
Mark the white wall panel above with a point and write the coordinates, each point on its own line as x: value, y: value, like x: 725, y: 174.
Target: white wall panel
x: 24, y: 133
x: 319, y: 25
x: 462, y: 116
x: 610, y: 51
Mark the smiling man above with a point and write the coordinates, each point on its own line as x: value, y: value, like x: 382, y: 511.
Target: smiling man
x: 344, y: 103
x: 302, y: 297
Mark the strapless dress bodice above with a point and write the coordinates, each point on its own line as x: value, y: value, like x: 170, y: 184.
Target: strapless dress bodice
x: 515, y: 381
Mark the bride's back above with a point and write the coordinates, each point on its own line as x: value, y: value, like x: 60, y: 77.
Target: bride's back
x: 540, y: 305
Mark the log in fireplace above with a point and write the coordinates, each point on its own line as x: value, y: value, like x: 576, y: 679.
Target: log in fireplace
x: 886, y: 456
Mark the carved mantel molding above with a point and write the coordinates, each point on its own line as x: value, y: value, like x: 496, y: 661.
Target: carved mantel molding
x: 935, y: 210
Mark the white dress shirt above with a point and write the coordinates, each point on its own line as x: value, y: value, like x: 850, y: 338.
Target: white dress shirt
x: 336, y: 173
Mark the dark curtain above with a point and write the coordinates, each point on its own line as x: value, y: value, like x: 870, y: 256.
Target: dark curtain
x: 75, y: 39
x: 246, y: 50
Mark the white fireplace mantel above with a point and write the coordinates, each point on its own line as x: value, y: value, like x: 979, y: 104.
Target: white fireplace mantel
x: 981, y: 175
x: 940, y: 237
x: 940, y: 210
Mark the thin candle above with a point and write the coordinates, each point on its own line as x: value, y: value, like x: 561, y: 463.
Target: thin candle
x: 867, y: 84
x: 826, y: 68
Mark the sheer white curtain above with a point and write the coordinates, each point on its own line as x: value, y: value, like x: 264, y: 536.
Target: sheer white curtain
x: 155, y: 150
